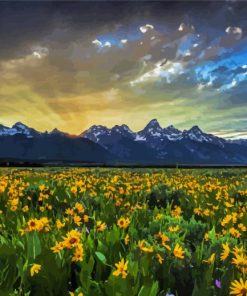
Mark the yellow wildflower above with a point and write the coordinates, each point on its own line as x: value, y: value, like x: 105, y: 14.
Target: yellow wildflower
x: 35, y: 269
x: 210, y: 260
x: 85, y: 218
x: 178, y: 252
x: 123, y: 222
x: 58, y: 247
x: 100, y: 226
x: 225, y: 253
x: 121, y: 269
x: 143, y: 247
x: 126, y: 239
x: 77, y: 220
x: 174, y: 228
x: 160, y: 258
x: 78, y: 254
x: 72, y: 239
x: 59, y: 224
x: 79, y: 207
x: 239, y: 288
x: 176, y: 212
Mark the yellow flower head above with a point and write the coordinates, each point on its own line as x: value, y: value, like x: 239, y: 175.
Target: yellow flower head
x: 25, y: 209
x: 58, y: 247
x: 59, y: 224
x: 177, y: 212
x: 78, y: 254
x: 123, y: 222
x: 126, y: 239
x: 72, y: 239
x: 33, y: 224
x: 85, y: 218
x: 100, y: 226
x: 225, y: 253
x: 210, y: 260
x: 143, y: 247
x: 158, y: 217
x: 240, y: 261
x: 239, y: 288
x: 178, y: 252
x: 77, y: 220
x: 234, y: 232
x: 121, y: 269
x: 79, y: 207
x: 174, y: 228
x: 35, y: 269
x: 73, y: 189
x: 160, y: 258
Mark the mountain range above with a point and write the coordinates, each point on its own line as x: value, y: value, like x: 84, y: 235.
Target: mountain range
x: 119, y: 144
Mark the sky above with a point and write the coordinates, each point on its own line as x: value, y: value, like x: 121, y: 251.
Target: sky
x: 70, y: 65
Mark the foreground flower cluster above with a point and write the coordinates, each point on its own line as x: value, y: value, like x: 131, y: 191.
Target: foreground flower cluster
x: 116, y: 232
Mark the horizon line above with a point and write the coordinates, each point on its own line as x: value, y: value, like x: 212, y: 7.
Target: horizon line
x: 227, y: 134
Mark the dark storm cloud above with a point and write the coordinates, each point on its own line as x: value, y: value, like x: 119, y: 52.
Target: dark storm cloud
x: 25, y: 22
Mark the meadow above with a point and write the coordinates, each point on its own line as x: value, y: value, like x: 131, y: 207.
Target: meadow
x: 116, y: 232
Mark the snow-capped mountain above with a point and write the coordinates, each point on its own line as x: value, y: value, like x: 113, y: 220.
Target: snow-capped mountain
x: 167, y: 144
x: 172, y: 133
x: 22, y: 143
x: 124, y: 130
x: 18, y: 128
x: 152, y: 144
x: 196, y: 134
x: 100, y: 133
x: 119, y: 140
x: 152, y: 130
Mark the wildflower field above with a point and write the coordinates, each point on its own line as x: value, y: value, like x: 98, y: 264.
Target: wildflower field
x: 145, y: 232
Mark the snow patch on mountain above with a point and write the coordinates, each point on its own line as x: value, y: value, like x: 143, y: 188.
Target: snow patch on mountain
x: 17, y: 128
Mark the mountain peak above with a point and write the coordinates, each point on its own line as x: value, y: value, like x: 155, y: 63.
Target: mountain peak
x: 152, y: 129
x: 21, y: 128
x: 122, y: 127
x: 56, y: 131
x: 20, y: 125
x: 196, y: 134
x: 170, y: 126
x: 195, y: 129
x: 153, y: 124
x: 125, y: 126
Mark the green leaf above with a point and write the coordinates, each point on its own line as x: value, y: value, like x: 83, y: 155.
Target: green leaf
x: 101, y: 257
x: 154, y: 289
x: 33, y: 246
x: 212, y: 235
x: 147, y: 290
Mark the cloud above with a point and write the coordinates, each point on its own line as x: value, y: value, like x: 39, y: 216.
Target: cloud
x: 97, y: 43
x: 186, y: 28
x: 82, y: 61
x: 100, y: 44
x: 236, y: 32
x: 162, y: 70
x: 146, y: 28
x: 112, y: 94
x: 124, y: 41
x: 232, y: 134
x: 39, y: 52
